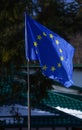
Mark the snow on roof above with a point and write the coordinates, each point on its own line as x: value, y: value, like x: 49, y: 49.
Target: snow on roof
x: 11, y: 110
x: 73, y: 112
x: 9, y: 113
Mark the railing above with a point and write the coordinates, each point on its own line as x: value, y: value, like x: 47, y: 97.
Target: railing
x: 13, y: 121
x: 39, y: 121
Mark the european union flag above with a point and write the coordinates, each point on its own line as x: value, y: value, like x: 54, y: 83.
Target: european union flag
x: 53, y: 52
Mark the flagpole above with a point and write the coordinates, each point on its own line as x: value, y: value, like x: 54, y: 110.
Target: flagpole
x: 28, y: 95
x: 28, y: 87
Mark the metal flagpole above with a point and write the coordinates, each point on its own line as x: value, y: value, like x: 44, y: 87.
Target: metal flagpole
x: 28, y: 80
x: 28, y: 95
x: 28, y: 85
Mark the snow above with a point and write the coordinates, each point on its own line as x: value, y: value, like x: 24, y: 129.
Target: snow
x: 9, y: 113
x: 11, y: 110
x: 73, y: 112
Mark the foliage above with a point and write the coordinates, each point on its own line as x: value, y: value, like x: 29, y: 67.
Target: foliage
x: 13, y: 89
x: 38, y: 87
x: 54, y: 14
x: 60, y: 17
x: 12, y: 31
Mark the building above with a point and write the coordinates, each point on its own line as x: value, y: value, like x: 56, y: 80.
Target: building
x: 60, y: 109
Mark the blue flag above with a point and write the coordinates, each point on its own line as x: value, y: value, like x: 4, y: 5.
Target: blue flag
x: 53, y: 52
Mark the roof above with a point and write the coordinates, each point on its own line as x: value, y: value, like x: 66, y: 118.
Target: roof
x: 50, y: 103
x: 54, y: 100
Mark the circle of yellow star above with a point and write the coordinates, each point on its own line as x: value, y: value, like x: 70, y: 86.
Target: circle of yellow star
x: 59, y: 65
x: 39, y: 37
x: 61, y: 58
x: 60, y: 50
x: 53, y: 68
x: 35, y: 44
x: 51, y: 36
x: 44, y: 67
x: 57, y: 42
x: 44, y: 34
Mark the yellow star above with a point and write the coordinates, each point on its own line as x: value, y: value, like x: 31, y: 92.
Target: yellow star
x: 44, y: 34
x: 44, y: 67
x: 59, y: 65
x: 35, y: 44
x: 51, y: 36
x: 39, y: 37
x: 61, y: 58
x: 36, y: 52
x: 53, y: 68
x: 57, y: 42
x: 60, y: 50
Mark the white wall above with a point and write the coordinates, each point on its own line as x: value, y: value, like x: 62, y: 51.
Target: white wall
x: 77, y: 78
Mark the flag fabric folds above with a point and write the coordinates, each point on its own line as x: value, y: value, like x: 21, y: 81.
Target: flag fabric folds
x: 53, y: 52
